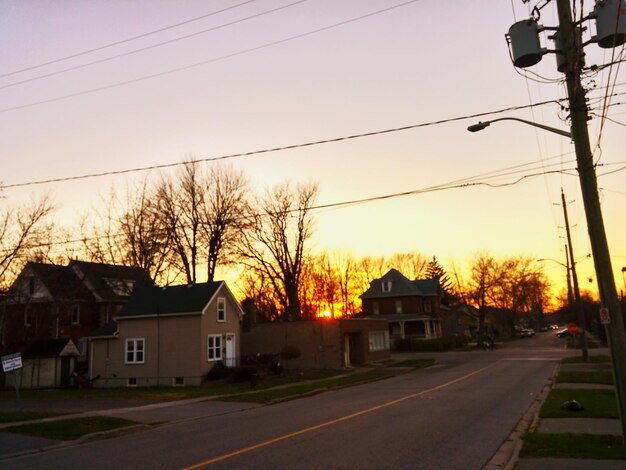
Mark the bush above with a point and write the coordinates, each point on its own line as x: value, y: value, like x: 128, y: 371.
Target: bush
x: 243, y: 374
x: 436, y: 344
x: 218, y: 371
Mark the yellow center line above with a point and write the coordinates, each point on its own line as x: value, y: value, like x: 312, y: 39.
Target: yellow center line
x: 333, y: 421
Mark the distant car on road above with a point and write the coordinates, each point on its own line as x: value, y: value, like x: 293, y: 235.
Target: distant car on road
x: 554, y: 327
x: 527, y: 333
x: 563, y: 333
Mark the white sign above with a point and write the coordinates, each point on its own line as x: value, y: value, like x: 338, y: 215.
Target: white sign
x: 605, y: 319
x: 11, y: 362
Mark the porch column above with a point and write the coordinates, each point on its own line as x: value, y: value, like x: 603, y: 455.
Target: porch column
x: 402, y: 329
x: 427, y: 328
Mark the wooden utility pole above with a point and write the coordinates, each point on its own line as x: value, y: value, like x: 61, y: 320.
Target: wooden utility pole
x: 572, y: 53
x: 580, y: 312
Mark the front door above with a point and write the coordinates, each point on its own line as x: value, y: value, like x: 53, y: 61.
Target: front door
x: 230, y: 357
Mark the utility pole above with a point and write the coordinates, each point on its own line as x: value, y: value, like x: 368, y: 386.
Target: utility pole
x: 579, y: 305
x: 570, y: 294
x: 571, y: 49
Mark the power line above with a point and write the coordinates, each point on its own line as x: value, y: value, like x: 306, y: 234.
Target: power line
x: 122, y: 41
x: 274, y: 149
x: 153, y: 46
x: 457, y: 184
x: 205, y: 62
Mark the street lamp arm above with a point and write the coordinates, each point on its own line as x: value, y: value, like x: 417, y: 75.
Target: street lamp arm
x: 481, y: 125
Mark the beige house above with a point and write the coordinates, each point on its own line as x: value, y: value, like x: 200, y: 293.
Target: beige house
x: 167, y: 336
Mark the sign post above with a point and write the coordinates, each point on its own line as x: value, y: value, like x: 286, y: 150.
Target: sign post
x: 13, y: 362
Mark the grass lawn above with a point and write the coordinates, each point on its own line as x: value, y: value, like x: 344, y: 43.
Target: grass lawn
x: 581, y: 446
x: 14, y: 416
x: 592, y: 359
x: 604, y: 377
x: 141, y: 395
x: 597, y: 403
x: 266, y: 396
x: 416, y: 363
x: 69, y: 429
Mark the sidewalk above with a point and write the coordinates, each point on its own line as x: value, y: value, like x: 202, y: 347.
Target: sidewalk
x: 572, y: 425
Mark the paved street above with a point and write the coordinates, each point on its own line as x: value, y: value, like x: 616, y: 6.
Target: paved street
x: 454, y: 415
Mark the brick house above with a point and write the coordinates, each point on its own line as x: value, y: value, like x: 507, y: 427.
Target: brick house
x: 412, y: 308
x: 48, y: 301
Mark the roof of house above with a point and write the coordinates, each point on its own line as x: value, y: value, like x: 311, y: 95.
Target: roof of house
x: 51, y: 348
x: 61, y: 282
x: 401, y: 286
x: 105, y: 331
x: 172, y: 300
x: 110, y: 282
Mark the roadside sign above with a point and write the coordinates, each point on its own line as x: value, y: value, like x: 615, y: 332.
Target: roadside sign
x: 605, y: 318
x: 11, y: 362
x: 573, y: 329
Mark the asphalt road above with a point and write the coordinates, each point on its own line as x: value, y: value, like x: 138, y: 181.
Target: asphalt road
x: 454, y: 416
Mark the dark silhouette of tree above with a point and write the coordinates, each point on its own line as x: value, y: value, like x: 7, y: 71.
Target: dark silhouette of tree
x: 274, y: 239
x: 434, y: 270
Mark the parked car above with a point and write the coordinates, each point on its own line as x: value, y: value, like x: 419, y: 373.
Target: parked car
x: 563, y: 333
x: 527, y: 333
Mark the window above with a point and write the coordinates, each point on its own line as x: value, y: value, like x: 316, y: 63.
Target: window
x: 214, y: 348
x: 379, y: 340
x: 135, y: 351
x: 398, y: 306
x: 31, y: 285
x: 75, y: 314
x: 386, y: 286
x: 131, y: 382
x: 375, y: 308
x: 28, y: 317
x: 427, y: 306
x: 221, y: 309
x: 179, y: 381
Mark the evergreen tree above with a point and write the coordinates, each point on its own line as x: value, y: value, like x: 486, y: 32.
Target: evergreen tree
x: 434, y: 270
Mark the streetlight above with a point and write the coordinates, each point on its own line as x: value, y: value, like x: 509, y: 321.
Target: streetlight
x: 481, y: 125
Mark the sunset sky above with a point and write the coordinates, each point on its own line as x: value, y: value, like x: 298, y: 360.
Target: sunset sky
x: 269, y: 73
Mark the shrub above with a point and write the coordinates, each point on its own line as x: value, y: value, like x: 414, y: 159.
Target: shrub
x: 218, y: 371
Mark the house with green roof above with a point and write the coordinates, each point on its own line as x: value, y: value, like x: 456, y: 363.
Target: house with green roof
x: 412, y: 307
x: 167, y: 336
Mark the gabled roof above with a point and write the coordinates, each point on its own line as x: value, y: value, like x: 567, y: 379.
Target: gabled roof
x: 401, y: 286
x: 110, y: 282
x: 172, y: 300
x: 60, y: 282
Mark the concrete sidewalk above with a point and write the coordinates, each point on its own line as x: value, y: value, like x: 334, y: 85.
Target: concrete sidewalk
x: 573, y: 425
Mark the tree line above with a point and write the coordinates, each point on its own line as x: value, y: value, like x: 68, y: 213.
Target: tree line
x: 183, y: 227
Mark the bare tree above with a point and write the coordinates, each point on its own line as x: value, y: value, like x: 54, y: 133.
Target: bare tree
x: 24, y: 234
x: 179, y: 204
x: 223, y: 211
x: 274, y: 241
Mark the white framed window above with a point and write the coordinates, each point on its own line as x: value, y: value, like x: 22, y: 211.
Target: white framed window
x: 398, y: 306
x: 427, y: 305
x: 378, y: 340
x: 375, y: 308
x: 386, y: 286
x: 131, y: 382
x: 214, y: 347
x: 221, y: 309
x: 75, y: 314
x: 135, y: 351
